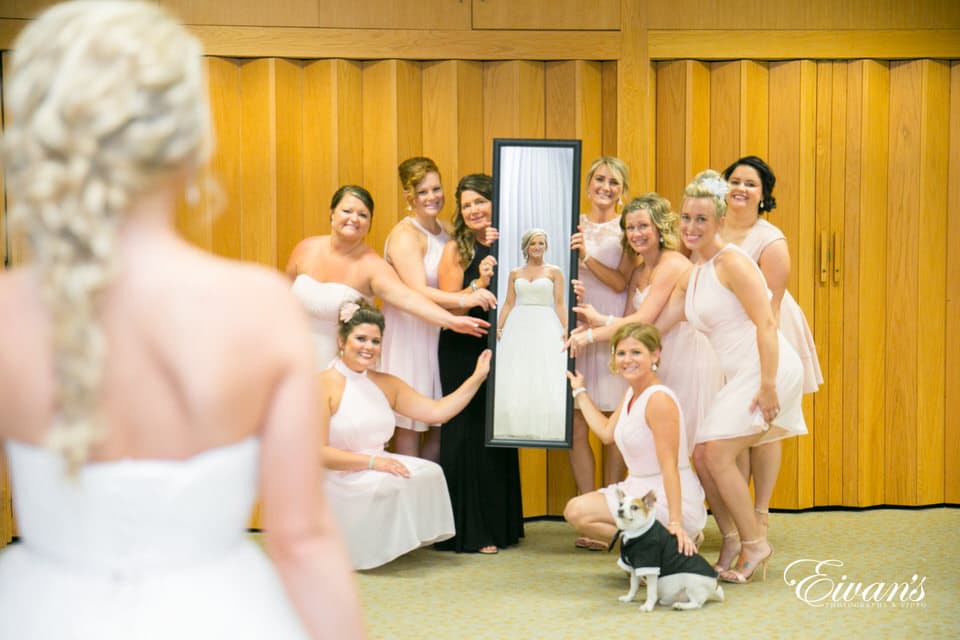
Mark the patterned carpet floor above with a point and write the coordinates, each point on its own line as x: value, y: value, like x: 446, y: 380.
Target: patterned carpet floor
x: 907, y: 564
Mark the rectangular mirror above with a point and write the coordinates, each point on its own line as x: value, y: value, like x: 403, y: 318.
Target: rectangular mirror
x: 536, y: 186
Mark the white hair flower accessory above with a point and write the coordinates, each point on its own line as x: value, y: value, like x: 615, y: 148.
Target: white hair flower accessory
x: 717, y: 186
x: 347, y: 310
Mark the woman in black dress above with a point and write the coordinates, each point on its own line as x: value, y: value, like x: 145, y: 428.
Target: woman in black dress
x: 484, y: 482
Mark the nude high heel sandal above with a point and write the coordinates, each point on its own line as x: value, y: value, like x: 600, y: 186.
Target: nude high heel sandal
x: 717, y: 566
x: 740, y: 575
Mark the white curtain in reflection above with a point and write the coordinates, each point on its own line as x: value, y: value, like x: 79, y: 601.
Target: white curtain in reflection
x: 536, y: 190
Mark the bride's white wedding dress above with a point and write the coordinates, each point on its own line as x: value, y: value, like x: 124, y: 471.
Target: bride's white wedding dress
x: 135, y: 549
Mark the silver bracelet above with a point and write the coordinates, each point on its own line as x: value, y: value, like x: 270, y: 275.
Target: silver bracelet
x: 463, y: 300
x: 609, y: 321
x: 370, y: 462
x: 590, y: 335
x: 578, y: 391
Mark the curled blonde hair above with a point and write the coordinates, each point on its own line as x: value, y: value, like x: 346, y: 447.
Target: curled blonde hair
x: 661, y: 216
x: 105, y: 100
x: 528, y: 237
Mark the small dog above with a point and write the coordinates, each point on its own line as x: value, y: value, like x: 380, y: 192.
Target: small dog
x: 649, y: 551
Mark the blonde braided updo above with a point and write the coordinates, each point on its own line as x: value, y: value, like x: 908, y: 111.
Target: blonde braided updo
x: 106, y: 99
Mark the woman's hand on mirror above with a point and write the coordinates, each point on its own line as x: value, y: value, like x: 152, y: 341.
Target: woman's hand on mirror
x: 577, y: 243
x: 482, y: 298
x: 490, y: 235
x: 592, y: 317
x: 577, y: 340
x: 483, y: 364
x: 486, y: 271
x: 578, y: 289
x: 576, y: 381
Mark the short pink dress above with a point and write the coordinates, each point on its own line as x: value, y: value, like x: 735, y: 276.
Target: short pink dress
x: 793, y: 323
x: 689, y: 367
x: 716, y: 311
x: 635, y: 441
x: 602, y: 242
x: 409, y: 343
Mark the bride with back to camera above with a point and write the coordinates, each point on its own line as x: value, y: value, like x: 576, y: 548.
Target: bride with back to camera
x: 138, y: 425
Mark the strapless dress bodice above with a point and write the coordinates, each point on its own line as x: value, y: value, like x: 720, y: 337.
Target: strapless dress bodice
x: 534, y: 292
x: 133, y: 515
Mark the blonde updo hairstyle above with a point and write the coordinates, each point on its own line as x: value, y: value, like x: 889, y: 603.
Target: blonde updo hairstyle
x: 661, y: 216
x: 709, y: 184
x: 106, y: 100
x: 528, y: 237
x: 646, y: 334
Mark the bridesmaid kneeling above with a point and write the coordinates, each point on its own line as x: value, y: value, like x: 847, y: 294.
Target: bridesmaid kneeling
x: 646, y: 429
x: 386, y: 504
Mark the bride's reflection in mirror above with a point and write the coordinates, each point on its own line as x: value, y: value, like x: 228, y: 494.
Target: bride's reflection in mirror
x: 532, y: 328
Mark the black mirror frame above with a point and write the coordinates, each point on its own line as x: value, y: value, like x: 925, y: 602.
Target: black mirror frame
x: 499, y: 144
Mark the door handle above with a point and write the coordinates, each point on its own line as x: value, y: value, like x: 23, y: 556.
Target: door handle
x: 824, y: 257
x: 836, y: 258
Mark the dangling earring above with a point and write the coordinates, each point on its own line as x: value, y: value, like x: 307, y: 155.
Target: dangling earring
x: 761, y: 205
x: 661, y: 241
x: 654, y: 367
x: 409, y: 208
x: 619, y: 202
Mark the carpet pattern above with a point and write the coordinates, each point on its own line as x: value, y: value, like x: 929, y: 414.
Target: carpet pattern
x: 545, y: 588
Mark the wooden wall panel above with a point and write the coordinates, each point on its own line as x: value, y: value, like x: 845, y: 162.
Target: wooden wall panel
x: 608, y: 144
x: 792, y: 110
x: 738, y: 111
x: 290, y: 143
x: 333, y: 144
x: 258, y: 161
x: 812, y: 14
x: 682, y: 125
x: 392, y: 126
x: 224, y: 199
x: 546, y: 14
x: 453, y: 132
x: 934, y: 112
x: 636, y: 125
x: 870, y: 216
x: 951, y: 446
x: 901, y: 313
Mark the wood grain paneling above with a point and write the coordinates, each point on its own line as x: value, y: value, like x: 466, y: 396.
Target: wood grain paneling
x: 792, y: 44
x: 682, y: 124
x: 739, y: 15
x: 289, y: 13
x: 739, y: 98
x: 225, y: 204
x: 870, y: 215
x: 636, y: 125
x: 453, y: 132
x: 900, y: 459
x: 290, y: 142
x: 258, y: 161
x: 934, y: 112
x: 951, y: 446
x: 546, y: 14
x: 791, y: 118
x: 392, y: 126
x: 333, y: 144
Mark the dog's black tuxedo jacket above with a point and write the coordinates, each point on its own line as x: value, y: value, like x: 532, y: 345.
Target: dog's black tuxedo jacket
x: 656, y: 552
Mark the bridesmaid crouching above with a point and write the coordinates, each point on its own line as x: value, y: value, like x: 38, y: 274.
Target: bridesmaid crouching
x: 646, y: 428
x: 386, y: 504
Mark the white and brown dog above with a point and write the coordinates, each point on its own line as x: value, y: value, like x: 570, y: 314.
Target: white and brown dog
x: 649, y: 551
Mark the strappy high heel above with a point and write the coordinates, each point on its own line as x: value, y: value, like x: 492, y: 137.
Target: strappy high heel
x: 740, y: 575
x: 717, y: 566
